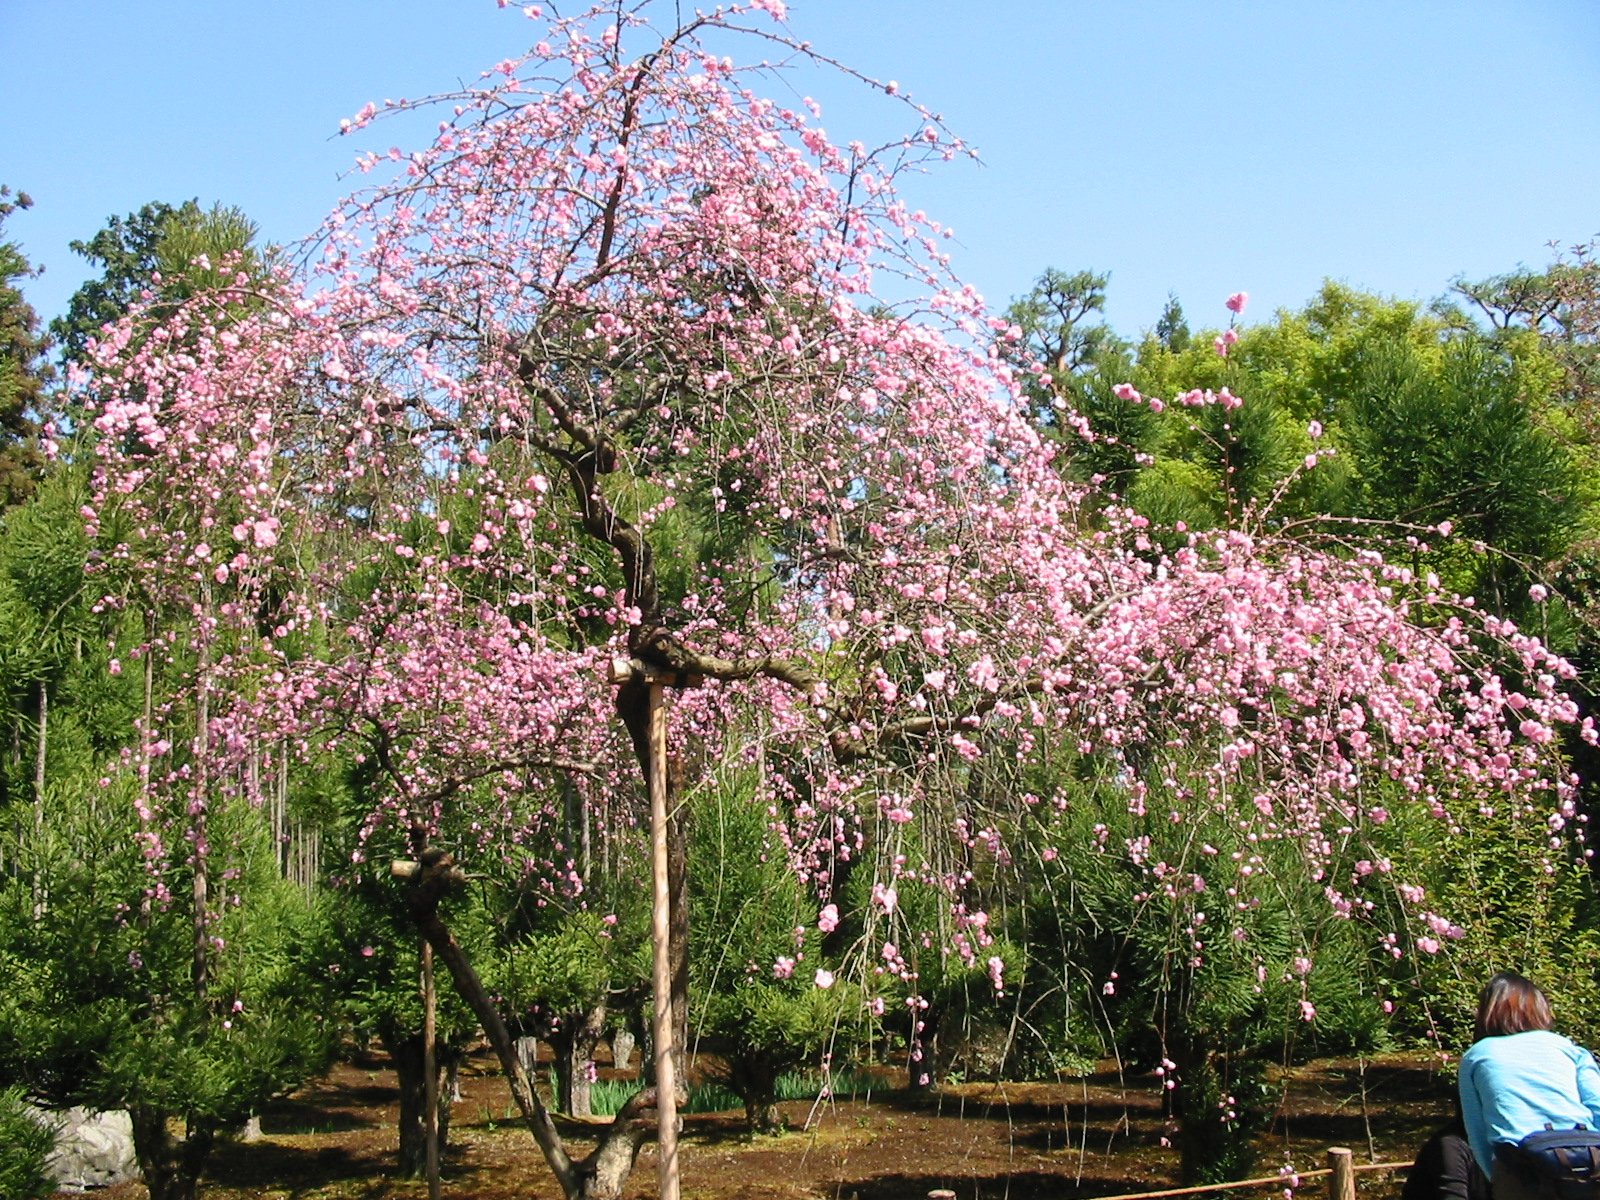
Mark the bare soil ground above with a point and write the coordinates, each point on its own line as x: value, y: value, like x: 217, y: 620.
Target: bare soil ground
x: 1090, y: 1137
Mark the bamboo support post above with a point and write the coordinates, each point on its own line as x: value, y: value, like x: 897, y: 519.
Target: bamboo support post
x: 430, y: 1068
x: 667, y: 1054
x: 660, y: 920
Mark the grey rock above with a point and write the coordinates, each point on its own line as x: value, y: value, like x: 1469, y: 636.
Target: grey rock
x: 621, y: 1049
x: 93, y: 1149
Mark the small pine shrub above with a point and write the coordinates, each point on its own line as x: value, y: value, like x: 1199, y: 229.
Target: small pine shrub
x: 25, y: 1143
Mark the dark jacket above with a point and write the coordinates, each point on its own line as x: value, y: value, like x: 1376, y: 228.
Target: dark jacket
x: 1446, y: 1170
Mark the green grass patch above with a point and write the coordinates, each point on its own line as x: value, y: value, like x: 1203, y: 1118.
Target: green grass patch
x: 607, y: 1096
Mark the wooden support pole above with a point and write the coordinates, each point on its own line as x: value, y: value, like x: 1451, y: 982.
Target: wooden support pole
x: 430, y: 1068
x: 1341, y: 1174
x: 660, y: 937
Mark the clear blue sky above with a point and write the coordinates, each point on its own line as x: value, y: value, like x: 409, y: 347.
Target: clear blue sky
x: 1198, y: 147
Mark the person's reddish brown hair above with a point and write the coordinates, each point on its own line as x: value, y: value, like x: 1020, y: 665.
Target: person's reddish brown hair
x: 1511, y: 1004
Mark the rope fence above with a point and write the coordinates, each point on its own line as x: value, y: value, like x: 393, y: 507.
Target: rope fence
x: 1340, y: 1174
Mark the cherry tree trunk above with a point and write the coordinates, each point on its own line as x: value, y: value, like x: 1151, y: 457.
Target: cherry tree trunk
x: 603, y: 1173
x: 574, y: 1045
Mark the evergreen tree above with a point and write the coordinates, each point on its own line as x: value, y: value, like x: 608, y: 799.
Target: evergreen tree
x: 25, y: 1145
x: 765, y: 999
x: 24, y: 374
x: 1172, y: 330
x: 127, y: 250
x: 161, y: 254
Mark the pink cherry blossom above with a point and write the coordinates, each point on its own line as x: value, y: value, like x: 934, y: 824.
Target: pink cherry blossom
x: 574, y: 327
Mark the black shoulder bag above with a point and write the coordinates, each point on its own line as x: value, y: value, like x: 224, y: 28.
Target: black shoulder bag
x: 1563, y: 1163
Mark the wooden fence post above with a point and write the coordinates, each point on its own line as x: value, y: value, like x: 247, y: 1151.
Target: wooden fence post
x: 1341, y: 1174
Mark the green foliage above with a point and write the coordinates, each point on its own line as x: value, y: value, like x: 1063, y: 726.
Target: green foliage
x: 368, y: 957
x: 161, y: 254
x: 24, y: 374
x: 1425, y: 417
x: 1144, y: 940
x: 1053, y: 319
x: 25, y: 1146
x: 1518, y: 903
x: 1178, y: 493
x: 127, y: 251
x: 1081, y: 363
x: 207, y: 250
x: 747, y: 905
x: 569, y: 966
x: 607, y: 1096
x: 1453, y: 435
x: 1172, y: 329
x: 100, y: 1008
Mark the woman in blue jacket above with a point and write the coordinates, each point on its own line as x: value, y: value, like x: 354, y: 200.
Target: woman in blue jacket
x: 1519, y: 1078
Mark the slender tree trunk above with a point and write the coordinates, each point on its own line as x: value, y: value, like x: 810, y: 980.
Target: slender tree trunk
x: 280, y: 811
x: 146, y: 784
x: 634, y: 706
x: 645, y: 1043
x: 666, y: 1045
x: 430, y: 1071
x: 678, y: 828
x: 40, y: 755
x: 586, y: 846
x: 407, y: 1053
